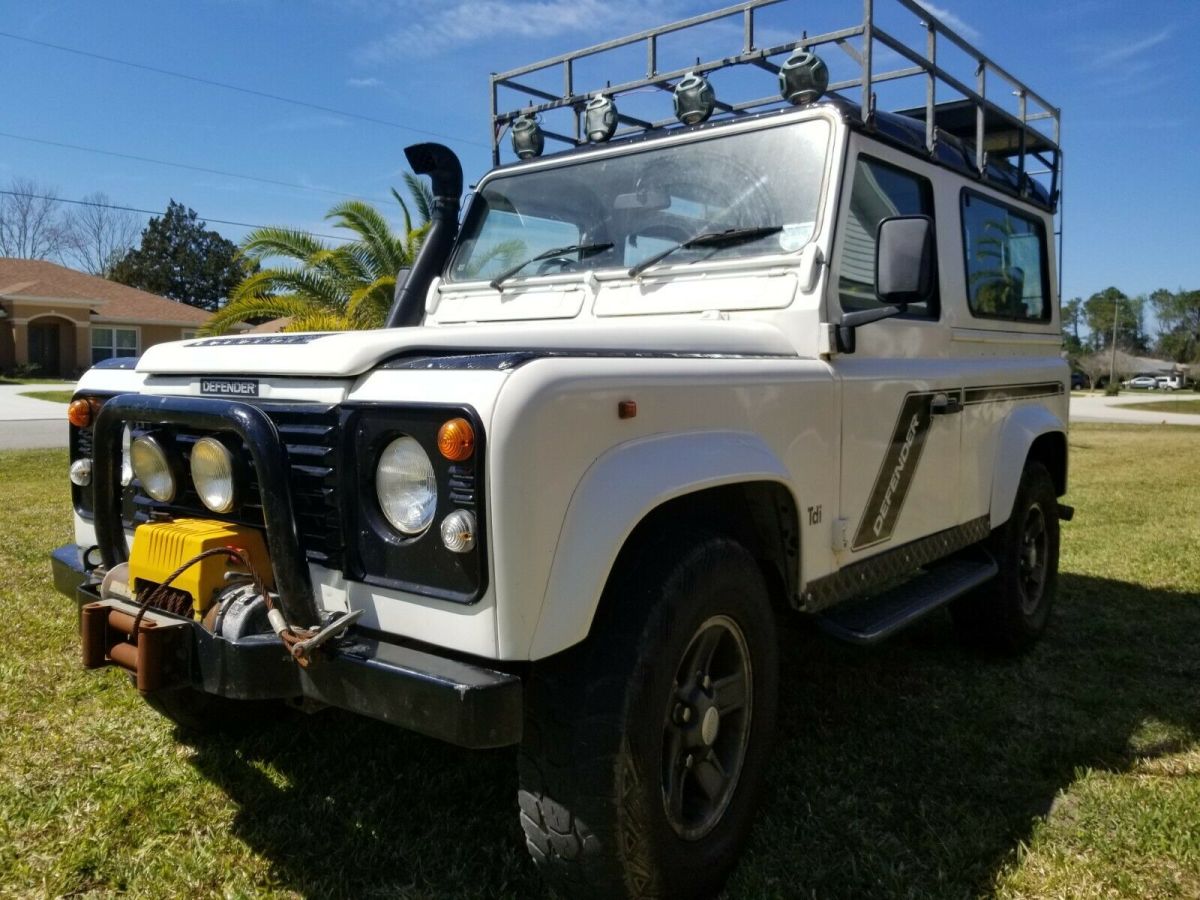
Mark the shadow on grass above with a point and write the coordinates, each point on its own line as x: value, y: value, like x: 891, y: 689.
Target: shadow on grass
x: 913, y: 770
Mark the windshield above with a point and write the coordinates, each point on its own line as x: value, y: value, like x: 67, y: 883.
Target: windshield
x: 646, y: 202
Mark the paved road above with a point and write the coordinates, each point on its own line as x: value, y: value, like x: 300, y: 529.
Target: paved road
x: 1124, y: 409
x: 26, y: 423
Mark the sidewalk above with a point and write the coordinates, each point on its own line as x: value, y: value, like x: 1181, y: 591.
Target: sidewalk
x: 27, y: 423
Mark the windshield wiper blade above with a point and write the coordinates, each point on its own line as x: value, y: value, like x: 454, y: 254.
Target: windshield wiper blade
x: 729, y: 238
x: 582, y: 249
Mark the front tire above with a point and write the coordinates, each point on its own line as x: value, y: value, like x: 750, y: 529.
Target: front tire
x: 1011, y: 612
x: 646, y: 746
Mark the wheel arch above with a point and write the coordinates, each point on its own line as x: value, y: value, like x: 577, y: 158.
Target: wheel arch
x: 1030, y: 433
x: 730, y: 483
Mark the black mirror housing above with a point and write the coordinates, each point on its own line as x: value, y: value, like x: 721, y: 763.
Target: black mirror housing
x: 905, y: 267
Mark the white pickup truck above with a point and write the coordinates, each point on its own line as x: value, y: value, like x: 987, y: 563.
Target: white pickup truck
x: 649, y: 395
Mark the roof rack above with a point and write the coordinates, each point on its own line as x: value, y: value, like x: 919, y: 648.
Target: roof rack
x: 978, y: 121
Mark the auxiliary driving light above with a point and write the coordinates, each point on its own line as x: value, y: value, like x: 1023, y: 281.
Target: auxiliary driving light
x: 212, y: 474
x: 600, y: 118
x: 458, y: 531
x: 528, y: 140
x: 695, y: 99
x: 803, y: 78
x: 406, y: 486
x: 152, y: 468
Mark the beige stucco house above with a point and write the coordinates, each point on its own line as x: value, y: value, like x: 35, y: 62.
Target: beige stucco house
x: 63, y: 321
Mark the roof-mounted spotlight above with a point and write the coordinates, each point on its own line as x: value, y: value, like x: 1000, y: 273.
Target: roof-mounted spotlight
x: 695, y: 99
x: 803, y: 78
x: 600, y: 118
x: 528, y: 140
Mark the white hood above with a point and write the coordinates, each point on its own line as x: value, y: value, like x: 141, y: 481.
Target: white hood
x: 351, y: 353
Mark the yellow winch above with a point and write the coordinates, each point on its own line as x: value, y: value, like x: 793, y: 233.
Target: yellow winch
x: 159, y: 548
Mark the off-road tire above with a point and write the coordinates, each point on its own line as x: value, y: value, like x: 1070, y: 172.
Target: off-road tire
x: 197, y: 712
x: 591, y: 764
x: 1007, y: 614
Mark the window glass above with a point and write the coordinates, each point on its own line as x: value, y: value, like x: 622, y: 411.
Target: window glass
x: 649, y: 199
x: 110, y: 342
x: 880, y: 192
x: 1006, y: 261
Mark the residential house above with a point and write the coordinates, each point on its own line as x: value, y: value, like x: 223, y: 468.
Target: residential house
x: 63, y: 321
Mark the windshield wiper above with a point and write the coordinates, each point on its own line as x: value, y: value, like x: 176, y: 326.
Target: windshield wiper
x: 582, y: 249
x: 729, y: 238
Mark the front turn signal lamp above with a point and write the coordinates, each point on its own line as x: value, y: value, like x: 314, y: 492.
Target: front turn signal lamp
x: 83, y: 411
x: 456, y: 440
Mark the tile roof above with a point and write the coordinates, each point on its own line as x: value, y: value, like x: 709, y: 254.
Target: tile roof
x: 39, y: 278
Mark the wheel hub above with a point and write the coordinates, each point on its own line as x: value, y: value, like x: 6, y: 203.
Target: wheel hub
x: 706, y: 728
x: 710, y: 726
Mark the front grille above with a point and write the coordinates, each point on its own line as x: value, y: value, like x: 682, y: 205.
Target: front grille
x: 310, y: 433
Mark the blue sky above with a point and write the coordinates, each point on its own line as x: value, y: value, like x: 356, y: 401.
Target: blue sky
x: 1125, y: 74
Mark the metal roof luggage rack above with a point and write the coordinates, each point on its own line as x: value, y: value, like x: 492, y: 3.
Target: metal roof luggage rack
x: 982, y: 125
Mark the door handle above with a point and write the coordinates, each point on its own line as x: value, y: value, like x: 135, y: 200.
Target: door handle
x: 946, y: 405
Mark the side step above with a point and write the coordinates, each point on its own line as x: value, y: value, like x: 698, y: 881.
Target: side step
x: 873, y: 619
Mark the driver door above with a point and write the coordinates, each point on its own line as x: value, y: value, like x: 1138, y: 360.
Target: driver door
x: 901, y: 394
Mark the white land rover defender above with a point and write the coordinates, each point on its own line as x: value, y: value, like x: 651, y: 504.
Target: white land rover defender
x: 795, y: 356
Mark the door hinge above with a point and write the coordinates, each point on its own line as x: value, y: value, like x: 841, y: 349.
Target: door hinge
x: 841, y: 535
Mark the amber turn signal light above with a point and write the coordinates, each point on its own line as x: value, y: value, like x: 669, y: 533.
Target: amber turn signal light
x: 456, y: 440
x: 79, y: 413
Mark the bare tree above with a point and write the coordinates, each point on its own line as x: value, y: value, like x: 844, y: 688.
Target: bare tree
x: 32, y: 224
x: 99, y: 235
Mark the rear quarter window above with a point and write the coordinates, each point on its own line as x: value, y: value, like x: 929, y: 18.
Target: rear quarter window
x: 1005, y: 249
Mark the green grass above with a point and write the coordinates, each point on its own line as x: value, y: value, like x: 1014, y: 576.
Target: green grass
x: 920, y: 769
x: 52, y: 396
x: 6, y: 380
x: 1170, y: 406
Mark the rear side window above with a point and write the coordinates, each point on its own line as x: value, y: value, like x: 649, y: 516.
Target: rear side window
x: 1006, y: 261
x: 880, y: 192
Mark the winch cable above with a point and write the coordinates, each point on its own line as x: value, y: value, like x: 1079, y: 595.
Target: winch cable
x: 291, y: 636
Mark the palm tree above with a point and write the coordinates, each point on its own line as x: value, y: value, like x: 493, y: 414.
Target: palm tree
x: 328, y: 288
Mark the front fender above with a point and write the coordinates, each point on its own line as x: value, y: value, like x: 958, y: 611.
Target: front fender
x: 616, y: 492
x: 1023, y: 426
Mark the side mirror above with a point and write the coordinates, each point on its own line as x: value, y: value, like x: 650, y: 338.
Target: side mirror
x: 905, y: 272
x: 904, y: 260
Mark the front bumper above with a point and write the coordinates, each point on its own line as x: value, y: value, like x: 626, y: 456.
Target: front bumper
x: 453, y: 700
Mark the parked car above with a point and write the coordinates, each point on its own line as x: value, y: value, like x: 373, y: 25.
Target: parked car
x: 1169, y: 382
x: 1080, y: 381
x: 1141, y: 383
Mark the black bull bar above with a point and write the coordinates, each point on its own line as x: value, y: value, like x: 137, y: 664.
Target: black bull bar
x: 256, y: 430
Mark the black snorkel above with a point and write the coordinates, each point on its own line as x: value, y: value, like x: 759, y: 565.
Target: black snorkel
x: 445, y: 171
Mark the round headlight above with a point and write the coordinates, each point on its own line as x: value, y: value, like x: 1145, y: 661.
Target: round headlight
x: 152, y: 468
x: 212, y: 474
x: 406, y: 486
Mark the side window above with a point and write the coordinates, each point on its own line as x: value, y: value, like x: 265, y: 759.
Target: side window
x: 880, y: 192
x: 1006, y: 261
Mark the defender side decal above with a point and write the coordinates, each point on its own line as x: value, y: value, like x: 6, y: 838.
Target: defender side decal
x: 895, y: 476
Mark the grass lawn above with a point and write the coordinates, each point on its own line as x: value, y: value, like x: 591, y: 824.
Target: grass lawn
x: 6, y: 380
x: 52, y: 396
x: 919, y: 769
x: 1171, y: 406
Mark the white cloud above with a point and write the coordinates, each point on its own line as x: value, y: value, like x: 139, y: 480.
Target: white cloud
x: 429, y: 28
x: 1126, y: 52
x: 364, y: 82
x: 950, y: 19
